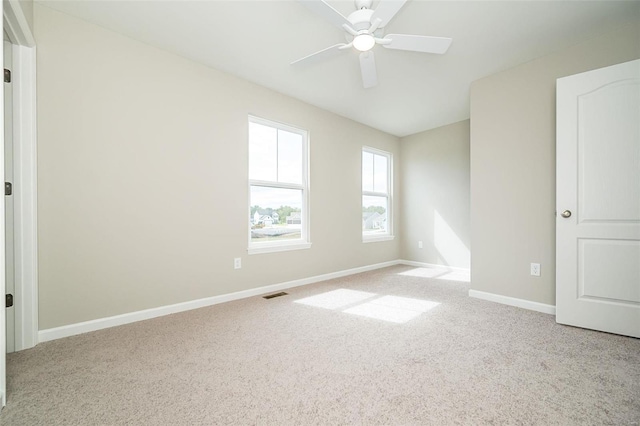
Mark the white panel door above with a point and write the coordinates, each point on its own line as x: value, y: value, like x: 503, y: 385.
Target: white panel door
x: 598, y: 200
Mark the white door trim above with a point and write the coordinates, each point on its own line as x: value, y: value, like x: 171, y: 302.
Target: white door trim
x: 25, y: 198
x: 15, y: 23
x: 3, y: 310
x: 25, y: 174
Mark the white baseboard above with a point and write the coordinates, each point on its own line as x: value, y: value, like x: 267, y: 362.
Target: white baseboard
x: 128, y: 318
x: 512, y: 301
x: 431, y: 265
x: 101, y: 323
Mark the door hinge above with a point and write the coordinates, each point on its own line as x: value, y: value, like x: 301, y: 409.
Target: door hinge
x: 8, y: 188
x: 9, y: 300
x: 7, y: 76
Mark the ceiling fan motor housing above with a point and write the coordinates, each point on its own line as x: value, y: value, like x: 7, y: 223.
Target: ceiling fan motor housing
x: 361, y: 19
x: 361, y: 22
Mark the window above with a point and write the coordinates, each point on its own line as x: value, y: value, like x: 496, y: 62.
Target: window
x: 376, y: 195
x: 278, y: 187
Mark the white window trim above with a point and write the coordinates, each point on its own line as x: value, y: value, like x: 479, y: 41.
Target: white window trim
x: 305, y: 235
x: 388, y: 236
x: 377, y: 238
x: 274, y: 248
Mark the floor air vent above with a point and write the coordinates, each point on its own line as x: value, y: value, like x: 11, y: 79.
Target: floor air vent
x: 271, y: 296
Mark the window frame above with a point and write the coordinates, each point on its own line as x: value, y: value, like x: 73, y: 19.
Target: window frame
x: 388, y: 236
x: 305, y: 240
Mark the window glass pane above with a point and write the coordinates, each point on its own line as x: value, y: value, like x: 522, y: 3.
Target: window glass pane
x: 289, y: 157
x: 263, y: 152
x: 374, y: 215
x: 367, y: 171
x: 275, y: 214
x: 379, y: 173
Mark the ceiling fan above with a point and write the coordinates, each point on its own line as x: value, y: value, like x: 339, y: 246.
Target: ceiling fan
x: 364, y: 28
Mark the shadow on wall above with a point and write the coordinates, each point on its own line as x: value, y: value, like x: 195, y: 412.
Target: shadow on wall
x: 449, y: 247
x: 437, y: 211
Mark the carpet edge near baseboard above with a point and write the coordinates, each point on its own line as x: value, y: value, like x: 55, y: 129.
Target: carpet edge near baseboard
x: 131, y: 317
x: 512, y: 301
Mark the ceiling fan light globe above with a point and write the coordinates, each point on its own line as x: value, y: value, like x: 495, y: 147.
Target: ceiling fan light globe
x: 364, y: 42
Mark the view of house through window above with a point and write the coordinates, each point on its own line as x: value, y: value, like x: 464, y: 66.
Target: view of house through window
x: 376, y: 198
x: 277, y: 184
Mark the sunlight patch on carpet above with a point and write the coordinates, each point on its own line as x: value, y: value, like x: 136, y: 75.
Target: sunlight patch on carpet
x: 392, y: 308
x: 438, y: 273
x: 336, y: 299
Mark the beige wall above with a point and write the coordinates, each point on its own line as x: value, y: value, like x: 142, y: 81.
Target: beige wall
x: 435, y: 196
x: 142, y: 173
x: 513, y: 165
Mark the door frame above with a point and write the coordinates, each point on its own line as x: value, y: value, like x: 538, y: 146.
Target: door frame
x: 25, y: 174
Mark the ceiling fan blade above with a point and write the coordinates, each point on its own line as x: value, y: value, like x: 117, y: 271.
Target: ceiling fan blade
x: 368, y: 69
x: 418, y: 43
x: 326, y: 11
x: 322, y: 54
x: 386, y: 10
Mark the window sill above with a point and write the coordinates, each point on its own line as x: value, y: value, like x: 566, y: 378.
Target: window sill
x: 279, y: 247
x: 377, y: 238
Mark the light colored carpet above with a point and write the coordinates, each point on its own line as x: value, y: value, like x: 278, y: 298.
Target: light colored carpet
x: 279, y: 361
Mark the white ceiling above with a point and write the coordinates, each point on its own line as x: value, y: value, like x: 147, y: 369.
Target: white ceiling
x: 256, y: 40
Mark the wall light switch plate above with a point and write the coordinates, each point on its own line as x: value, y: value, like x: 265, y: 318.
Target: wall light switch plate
x: 419, y: 244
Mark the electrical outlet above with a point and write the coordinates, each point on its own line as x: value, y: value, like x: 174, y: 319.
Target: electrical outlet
x: 419, y: 244
x: 237, y: 263
x: 535, y: 269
